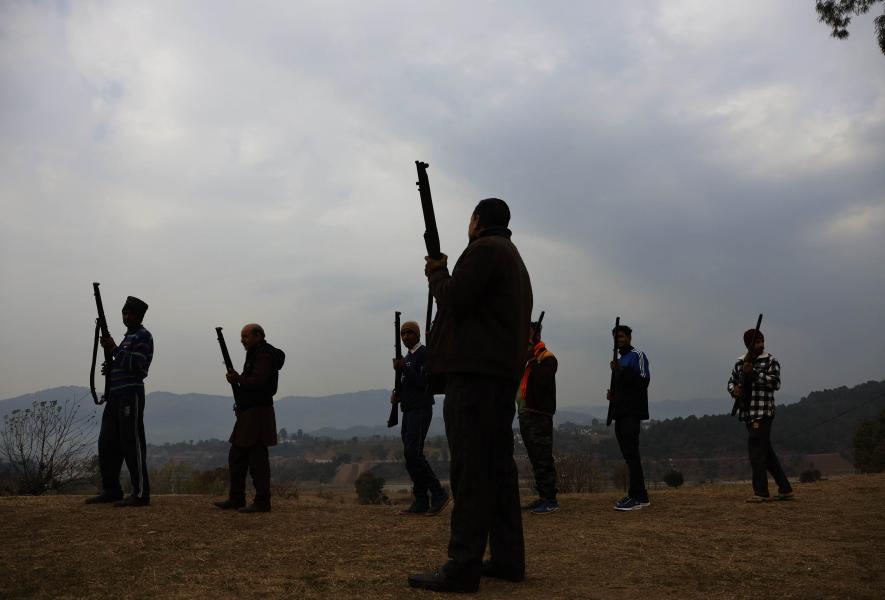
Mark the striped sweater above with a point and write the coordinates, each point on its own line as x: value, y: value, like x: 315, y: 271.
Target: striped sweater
x: 132, y: 358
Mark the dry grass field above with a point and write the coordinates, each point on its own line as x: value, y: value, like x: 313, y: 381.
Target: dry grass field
x: 695, y: 542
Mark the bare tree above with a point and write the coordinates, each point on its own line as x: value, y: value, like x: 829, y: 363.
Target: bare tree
x: 48, y: 445
x: 575, y: 473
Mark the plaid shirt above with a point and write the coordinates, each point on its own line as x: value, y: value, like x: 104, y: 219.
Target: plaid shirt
x: 765, y: 380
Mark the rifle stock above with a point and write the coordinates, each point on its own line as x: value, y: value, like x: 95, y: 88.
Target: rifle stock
x: 225, y: 355
x: 743, y: 402
x: 613, y: 383
x: 101, y: 328
x: 393, y: 419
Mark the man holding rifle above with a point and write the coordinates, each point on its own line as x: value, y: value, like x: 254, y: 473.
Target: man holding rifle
x: 122, y: 422
x: 478, y: 342
x: 629, y: 406
x: 256, y: 428
x: 754, y: 379
x: 416, y: 402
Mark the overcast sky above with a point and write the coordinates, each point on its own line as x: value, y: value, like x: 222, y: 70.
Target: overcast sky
x: 684, y: 164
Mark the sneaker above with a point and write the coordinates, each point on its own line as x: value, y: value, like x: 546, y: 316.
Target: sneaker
x: 490, y: 569
x: 104, y: 498
x: 758, y: 499
x: 133, y: 501
x: 533, y: 504
x: 416, y: 508
x: 628, y: 503
x: 438, y: 503
x: 645, y: 502
x: 230, y: 503
x: 546, y: 507
x: 786, y: 496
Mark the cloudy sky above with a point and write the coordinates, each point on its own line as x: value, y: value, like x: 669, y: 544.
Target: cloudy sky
x: 683, y: 164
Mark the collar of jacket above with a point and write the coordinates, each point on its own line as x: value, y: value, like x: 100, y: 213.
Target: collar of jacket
x: 502, y: 231
x: 763, y: 355
x: 625, y: 351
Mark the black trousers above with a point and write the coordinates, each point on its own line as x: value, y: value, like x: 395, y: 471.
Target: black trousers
x: 537, y: 436
x: 763, y: 460
x: 479, y: 413
x: 249, y: 459
x: 416, y: 422
x: 627, y: 432
x: 122, y: 439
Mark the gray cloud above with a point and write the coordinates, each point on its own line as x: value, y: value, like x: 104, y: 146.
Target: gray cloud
x: 684, y: 165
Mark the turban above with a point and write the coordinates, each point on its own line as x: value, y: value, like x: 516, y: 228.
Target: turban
x: 135, y: 305
x: 750, y: 335
x: 411, y: 326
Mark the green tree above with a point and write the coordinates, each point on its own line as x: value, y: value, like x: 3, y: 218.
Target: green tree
x: 837, y: 14
x: 869, y: 445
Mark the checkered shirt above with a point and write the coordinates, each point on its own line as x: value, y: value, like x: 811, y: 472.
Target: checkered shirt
x: 765, y: 379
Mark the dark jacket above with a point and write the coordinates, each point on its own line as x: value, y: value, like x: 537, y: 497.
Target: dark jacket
x: 540, y: 389
x: 261, y: 373
x: 414, y: 392
x: 485, y: 307
x: 631, y: 398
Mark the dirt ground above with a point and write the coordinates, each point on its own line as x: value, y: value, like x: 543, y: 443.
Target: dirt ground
x: 695, y: 542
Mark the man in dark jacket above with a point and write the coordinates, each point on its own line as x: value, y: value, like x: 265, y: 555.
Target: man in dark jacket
x: 478, y: 343
x: 629, y: 407
x: 536, y: 403
x: 256, y: 427
x: 416, y: 402
x: 122, y: 422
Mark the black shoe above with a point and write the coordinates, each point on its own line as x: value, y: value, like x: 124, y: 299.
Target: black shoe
x: 230, y: 503
x: 416, y: 508
x: 441, y: 581
x: 104, y: 498
x: 490, y: 569
x: 438, y: 503
x: 133, y: 501
x: 255, y: 507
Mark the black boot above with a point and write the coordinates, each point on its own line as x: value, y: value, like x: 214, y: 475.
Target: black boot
x: 230, y: 503
x: 133, y: 501
x: 104, y: 498
x: 438, y: 503
x: 447, y: 578
x: 256, y: 507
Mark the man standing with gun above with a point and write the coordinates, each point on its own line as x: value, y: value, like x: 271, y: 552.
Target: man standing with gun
x: 754, y: 379
x: 536, y: 403
x: 256, y: 428
x: 478, y: 343
x: 416, y: 400
x: 122, y: 422
x: 628, y: 408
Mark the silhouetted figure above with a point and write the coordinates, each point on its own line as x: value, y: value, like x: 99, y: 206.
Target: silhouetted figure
x: 478, y: 343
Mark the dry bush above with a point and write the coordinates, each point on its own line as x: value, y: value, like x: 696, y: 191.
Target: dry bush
x: 575, y: 473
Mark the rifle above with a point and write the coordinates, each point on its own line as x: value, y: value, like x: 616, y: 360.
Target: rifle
x: 431, y: 233
x: 538, y: 326
x: 101, y: 326
x: 747, y: 379
x: 393, y: 419
x: 613, y: 384
x: 227, y: 362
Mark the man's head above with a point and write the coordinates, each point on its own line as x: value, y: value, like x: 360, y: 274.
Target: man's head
x: 534, y: 333
x: 133, y: 312
x: 491, y: 212
x: 251, y: 335
x: 623, y: 336
x: 410, y: 333
x: 754, y: 341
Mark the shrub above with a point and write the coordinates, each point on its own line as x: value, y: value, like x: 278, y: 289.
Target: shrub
x: 809, y: 476
x: 370, y: 489
x: 674, y: 478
